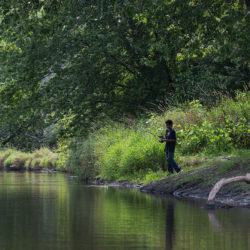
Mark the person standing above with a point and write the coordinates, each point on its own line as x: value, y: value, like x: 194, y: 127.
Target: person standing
x: 170, y: 139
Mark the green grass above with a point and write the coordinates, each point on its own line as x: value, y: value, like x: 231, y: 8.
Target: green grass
x: 196, y: 162
x: 16, y: 159
x: 39, y: 159
x: 236, y: 157
x: 4, y: 154
x: 204, y: 160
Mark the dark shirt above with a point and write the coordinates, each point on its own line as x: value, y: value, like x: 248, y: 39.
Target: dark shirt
x: 170, y: 134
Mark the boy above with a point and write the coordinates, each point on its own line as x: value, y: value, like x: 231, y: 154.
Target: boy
x: 170, y: 139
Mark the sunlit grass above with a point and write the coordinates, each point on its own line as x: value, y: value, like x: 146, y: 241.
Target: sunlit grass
x: 39, y: 159
x: 43, y: 158
x: 4, y: 154
x: 16, y: 160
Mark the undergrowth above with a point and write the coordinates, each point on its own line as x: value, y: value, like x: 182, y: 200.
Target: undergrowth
x: 120, y: 152
x: 132, y: 152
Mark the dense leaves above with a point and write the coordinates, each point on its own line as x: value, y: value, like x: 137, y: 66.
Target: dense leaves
x: 77, y: 62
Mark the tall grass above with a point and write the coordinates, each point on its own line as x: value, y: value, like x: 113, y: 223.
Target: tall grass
x: 133, y: 152
x: 43, y: 158
x: 130, y: 153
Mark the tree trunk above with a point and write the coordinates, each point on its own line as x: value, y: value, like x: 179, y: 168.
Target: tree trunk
x: 222, y: 182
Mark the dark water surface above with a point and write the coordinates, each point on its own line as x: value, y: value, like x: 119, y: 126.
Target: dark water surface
x: 45, y: 211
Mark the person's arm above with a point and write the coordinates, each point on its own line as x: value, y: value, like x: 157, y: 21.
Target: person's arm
x: 169, y: 140
x: 161, y: 138
x: 172, y: 137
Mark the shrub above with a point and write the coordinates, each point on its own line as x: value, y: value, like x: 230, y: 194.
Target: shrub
x: 76, y: 156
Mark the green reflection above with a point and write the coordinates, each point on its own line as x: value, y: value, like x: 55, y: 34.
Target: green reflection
x: 51, y: 211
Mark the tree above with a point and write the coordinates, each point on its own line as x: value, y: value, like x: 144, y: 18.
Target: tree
x: 86, y: 60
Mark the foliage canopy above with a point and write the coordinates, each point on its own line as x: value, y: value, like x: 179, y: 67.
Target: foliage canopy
x: 76, y: 62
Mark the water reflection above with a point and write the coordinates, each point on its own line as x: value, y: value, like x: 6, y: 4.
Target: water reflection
x: 50, y: 211
x: 214, y: 221
x: 170, y: 226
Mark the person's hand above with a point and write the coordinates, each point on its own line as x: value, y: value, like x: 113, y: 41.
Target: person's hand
x: 160, y: 136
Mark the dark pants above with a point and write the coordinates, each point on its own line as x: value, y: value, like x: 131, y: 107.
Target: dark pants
x: 172, y: 165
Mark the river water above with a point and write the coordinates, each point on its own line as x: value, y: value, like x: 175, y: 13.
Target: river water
x: 50, y: 211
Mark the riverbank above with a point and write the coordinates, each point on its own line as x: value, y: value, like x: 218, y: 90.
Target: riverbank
x: 196, y: 184
x: 41, y: 159
x: 128, y: 151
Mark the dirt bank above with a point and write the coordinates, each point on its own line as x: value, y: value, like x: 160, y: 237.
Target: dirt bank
x: 197, y: 184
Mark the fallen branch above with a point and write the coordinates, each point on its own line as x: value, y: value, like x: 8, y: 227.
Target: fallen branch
x: 222, y: 182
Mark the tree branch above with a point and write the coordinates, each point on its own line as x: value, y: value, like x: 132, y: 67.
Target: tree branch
x: 222, y: 182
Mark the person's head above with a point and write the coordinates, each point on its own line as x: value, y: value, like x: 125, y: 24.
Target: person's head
x: 169, y: 124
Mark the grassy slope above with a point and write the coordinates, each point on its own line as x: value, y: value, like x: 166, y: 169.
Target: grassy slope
x: 198, y: 182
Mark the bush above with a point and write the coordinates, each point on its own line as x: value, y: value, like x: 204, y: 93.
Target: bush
x: 76, y: 156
